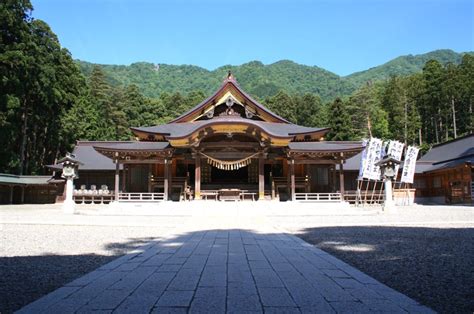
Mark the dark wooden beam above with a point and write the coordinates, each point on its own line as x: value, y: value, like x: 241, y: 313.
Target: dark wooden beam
x: 170, y: 179
x: 124, y: 177
x: 261, y: 177
x: 315, y: 162
x: 229, y: 144
x: 341, y: 179
x: 142, y: 161
x: 117, y: 177
x: 197, y: 177
x: 292, y: 179
x: 166, y: 178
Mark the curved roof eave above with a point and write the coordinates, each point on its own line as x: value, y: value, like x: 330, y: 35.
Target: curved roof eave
x: 275, y: 129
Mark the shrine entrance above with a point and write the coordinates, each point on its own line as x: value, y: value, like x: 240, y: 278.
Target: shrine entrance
x: 230, y: 177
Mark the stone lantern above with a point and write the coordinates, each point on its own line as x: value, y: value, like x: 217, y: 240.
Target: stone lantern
x: 387, y: 167
x: 70, y: 172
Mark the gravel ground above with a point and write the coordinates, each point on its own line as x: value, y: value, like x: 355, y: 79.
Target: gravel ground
x: 433, y: 265
x: 37, y: 259
x: 426, y: 252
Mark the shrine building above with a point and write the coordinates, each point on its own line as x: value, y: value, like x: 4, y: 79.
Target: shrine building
x: 228, y: 147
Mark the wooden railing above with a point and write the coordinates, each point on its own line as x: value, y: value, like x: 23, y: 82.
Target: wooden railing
x: 93, y: 198
x: 141, y: 197
x: 318, y: 197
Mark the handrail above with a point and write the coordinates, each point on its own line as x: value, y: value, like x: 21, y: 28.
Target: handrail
x: 140, y: 197
x: 318, y: 197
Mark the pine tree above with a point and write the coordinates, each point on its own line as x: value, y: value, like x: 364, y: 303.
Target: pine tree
x: 340, y: 122
x: 309, y: 110
x: 283, y: 105
x: 367, y: 116
x: 394, y: 101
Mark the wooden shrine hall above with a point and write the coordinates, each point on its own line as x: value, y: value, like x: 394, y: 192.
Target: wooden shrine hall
x: 228, y: 147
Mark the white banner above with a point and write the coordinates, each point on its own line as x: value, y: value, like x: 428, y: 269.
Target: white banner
x: 363, y: 159
x: 409, y: 164
x: 395, y: 149
x: 372, y: 152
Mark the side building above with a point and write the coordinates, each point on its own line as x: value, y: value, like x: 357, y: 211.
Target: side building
x: 445, y: 173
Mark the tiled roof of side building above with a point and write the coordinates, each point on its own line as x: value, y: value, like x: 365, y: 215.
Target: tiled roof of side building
x: 11, y: 179
x: 460, y: 147
x: 141, y: 146
x: 92, y: 159
x: 444, y: 165
x: 327, y: 146
x: 353, y: 163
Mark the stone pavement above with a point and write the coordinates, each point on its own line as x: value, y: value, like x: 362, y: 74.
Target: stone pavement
x: 226, y: 270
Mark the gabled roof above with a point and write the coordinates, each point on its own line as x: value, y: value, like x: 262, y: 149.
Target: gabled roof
x: 92, y: 159
x: 460, y: 147
x: 447, y: 155
x: 229, y: 85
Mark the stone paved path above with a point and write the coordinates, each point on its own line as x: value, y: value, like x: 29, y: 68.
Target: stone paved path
x: 233, y: 271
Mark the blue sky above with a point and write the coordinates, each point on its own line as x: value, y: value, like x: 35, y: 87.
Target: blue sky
x: 340, y: 35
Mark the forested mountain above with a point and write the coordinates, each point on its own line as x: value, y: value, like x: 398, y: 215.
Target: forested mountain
x: 256, y: 78
x: 404, y: 65
x: 262, y: 80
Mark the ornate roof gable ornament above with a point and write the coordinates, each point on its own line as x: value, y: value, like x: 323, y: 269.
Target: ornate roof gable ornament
x: 230, y: 77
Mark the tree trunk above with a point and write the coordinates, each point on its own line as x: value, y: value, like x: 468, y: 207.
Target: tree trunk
x: 406, y: 122
x: 419, y: 134
x: 447, y: 130
x: 454, y: 117
x: 470, y: 114
x: 24, y: 128
x: 435, y: 122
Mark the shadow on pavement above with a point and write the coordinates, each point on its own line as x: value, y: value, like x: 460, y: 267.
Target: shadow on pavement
x: 434, y: 266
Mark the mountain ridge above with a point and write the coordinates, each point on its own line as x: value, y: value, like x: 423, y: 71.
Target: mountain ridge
x: 262, y: 80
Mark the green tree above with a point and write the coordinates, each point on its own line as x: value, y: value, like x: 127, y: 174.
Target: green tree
x: 283, y: 105
x: 394, y: 101
x: 309, y: 110
x: 366, y: 113
x: 466, y: 77
x: 39, y: 82
x: 431, y: 108
x: 340, y: 122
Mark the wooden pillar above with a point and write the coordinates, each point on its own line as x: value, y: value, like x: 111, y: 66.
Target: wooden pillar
x: 22, y: 195
x: 197, y: 177
x: 261, y: 177
x: 117, y: 179
x: 292, y: 179
x: 11, y: 194
x: 124, y: 177
x: 166, y: 178
x: 150, y: 174
x: 170, y: 180
x: 341, y: 179
x: 307, y: 178
x: 334, y: 177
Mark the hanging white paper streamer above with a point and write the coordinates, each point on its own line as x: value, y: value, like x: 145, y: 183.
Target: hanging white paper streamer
x: 408, y: 172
